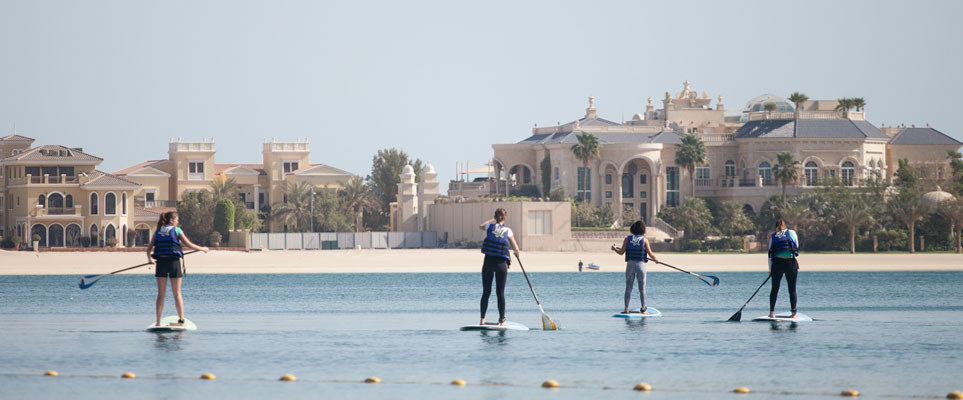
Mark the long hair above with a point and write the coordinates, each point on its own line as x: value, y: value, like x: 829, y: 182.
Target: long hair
x: 166, y: 218
x: 638, y: 228
x: 500, y: 215
x: 780, y: 224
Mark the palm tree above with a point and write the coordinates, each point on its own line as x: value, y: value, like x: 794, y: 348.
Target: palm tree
x: 297, y: 205
x: 786, y: 171
x: 906, y: 207
x: 854, y: 210
x: 732, y: 218
x: 224, y: 189
x: 691, y: 153
x: 356, y: 196
x: 845, y: 104
x: 587, y: 149
x: 769, y: 106
x: 859, y: 103
x: 952, y: 210
x: 797, y: 99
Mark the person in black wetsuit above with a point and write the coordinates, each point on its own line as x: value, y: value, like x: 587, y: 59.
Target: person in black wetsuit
x: 499, y: 240
x: 783, y: 250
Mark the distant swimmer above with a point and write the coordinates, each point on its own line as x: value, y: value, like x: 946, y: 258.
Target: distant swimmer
x: 166, y: 247
x: 498, y: 238
x: 783, y: 250
x: 637, y: 253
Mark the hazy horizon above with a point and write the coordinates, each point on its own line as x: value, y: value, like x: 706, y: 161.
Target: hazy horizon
x: 122, y: 78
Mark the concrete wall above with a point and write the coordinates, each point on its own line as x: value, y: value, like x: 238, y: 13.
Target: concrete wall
x: 459, y: 221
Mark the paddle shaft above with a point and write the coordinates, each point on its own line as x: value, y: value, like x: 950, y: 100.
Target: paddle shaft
x: 678, y: 269
x: 526, y: 280
x: 753, y: 295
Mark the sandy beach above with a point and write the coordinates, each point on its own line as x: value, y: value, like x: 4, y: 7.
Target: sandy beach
x: 448, y: 260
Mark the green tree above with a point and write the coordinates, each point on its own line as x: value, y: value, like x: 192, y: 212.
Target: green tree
x: 691, y: 153
x: 224, y: 217
x: 295, y: 210
x: 786, y: 171
x: 546, y: 167
x: 769, y: 106
x: 845, y: 104
x: 731, y: 219
x: 196, y: 212
x: 587, y: 149
x: 224, y: 189
x: 952, y: 212
x: 355, y: 197
x: 956, y: 164
x: 851, y: 208
x: 906, y: 207
x: 386, y: 167
x: 329, y: 213
x: 798, y: 98
x: 692, y: 215
x: 859, y: 103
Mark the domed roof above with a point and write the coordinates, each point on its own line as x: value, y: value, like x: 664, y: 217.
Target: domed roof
x: 638, y: 117
x: 758, y: 103
x: 933, y: 199
x: 429, y: 169
x: 407, y: 170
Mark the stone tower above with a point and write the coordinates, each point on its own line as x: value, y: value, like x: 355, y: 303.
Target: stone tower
x: 407, y: 201
x: 427, y: 193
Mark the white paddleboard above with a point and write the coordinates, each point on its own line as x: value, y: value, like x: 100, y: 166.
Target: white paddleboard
x: 636, y: 313
x: 166, y: 326
x: 785, y: 317
x: 492, y: 326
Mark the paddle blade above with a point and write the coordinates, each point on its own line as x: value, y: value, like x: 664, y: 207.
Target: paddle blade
x: 736, y: 317
x: 547, y: 324
x: 715, y: 280
x: 89, y: 280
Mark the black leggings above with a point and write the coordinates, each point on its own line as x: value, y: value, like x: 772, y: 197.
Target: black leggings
x: 497, y: 268
x: 780, y: 267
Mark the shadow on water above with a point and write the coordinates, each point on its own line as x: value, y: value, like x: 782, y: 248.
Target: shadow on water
x: 168, y: 341
x: 499, y: 338
x: 776, y: 326
x: 635, y: 324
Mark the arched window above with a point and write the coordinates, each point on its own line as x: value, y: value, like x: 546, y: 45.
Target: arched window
x: 69, y: 201
x: 93, y: 206
x: 702, y: 175
x: 73, y: 235
x: 56, y: 235
x: 109, y: 233
x: 123, y: 206
x: 42, y: 200
x: 110, y: 204
x: 94, y: 239
x: 124, y: 238
x: 848, y: 171
x: 812, y: 173
x: 730, y: 169
x: 765, y: 171
x: 41, y: 231
x: 55, y: 203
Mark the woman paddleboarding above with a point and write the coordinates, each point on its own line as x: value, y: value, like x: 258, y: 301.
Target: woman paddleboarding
x: 783, y: 250
x: 637, y: 253
x: 499, y: 239
x: 165, y: 247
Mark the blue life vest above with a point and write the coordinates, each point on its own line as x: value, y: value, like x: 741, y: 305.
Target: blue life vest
x: 635, y: 249
x: 496, y: 241
x: 781, y: 241
x: 166, y: 243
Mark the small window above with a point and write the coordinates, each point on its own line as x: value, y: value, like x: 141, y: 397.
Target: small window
x: 608, y: 179
x: 195, y: 170
x: 642, y: 178
x: 149, y: 195
x: 110, y: 204
x: 123, y: 206
x: 42, y: 200
x: 540, y: 222
x: 608, y: 194
x: 642, y: 194
x: 290, y: 166
x: 556, y: 173
x: 93, y: 204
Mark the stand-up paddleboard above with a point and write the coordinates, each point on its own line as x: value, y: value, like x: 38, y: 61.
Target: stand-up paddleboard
x: 492, y: 326
x: 594, y: 266
x: 637, y: 313
x: 166, y: 326
x: 784, y: 317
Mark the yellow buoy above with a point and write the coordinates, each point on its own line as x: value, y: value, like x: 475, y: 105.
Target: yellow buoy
x: 458, y: 382
x: 372, y: 379
x: 850, y: 393
x: 955, y: 395
x: 643, y: 387
x: 209, y: 377
x: 128, y: 375
x: 740, y: 390
x: 51, y: 373
x: 288, y: 378
x: 551, y: 383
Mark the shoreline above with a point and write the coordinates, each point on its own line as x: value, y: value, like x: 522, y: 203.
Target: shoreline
x: 449, y: 261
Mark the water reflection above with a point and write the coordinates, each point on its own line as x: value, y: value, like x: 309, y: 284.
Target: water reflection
x: 168, y: 341
x: 776, y: 326
x: 494, y: 337
x: 635, y: 323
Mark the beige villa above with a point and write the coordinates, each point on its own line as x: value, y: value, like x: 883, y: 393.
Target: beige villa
x: 637, y: 168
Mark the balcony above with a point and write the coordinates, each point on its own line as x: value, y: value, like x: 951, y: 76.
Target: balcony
x: 703, y: 182
x: 249, y: 205
x: 45, y: 180
x: 139, y: 202
x: 747, y: 183
x: 58, y: 212
x: 850, y: 115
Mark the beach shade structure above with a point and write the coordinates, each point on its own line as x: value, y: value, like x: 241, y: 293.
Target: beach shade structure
x: 89, y: 280
x: 547, y: 323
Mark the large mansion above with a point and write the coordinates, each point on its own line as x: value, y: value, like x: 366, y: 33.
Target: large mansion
x: 56, y: 192
x: 637, y: 168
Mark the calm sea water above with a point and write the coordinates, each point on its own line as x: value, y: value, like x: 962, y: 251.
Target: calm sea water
x: 883, y: 333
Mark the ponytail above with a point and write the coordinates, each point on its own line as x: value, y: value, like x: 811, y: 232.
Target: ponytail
x: 166, y: 218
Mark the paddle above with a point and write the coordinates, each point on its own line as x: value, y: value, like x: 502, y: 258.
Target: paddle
x: 738, y: 315
x: 714, y: 282
x: 89, y: 280
x: 547, y: 323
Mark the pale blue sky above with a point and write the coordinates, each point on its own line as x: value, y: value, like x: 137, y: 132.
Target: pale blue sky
x: 443, y: 80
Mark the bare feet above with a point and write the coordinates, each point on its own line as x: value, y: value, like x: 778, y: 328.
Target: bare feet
x: 626, y: 311
x: 772, y: 314
x: 482, y: 322
x: 793, y: 316
x: 503, y: 323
